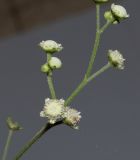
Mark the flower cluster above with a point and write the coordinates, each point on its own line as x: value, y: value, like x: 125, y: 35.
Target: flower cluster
x: 116, y: 59
x: 119, y: 12
x: 72, y: 117
x: 55, y: 111
x: 50, y: 47
x: 116, y: 14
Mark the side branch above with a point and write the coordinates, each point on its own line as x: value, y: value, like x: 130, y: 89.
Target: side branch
x: 85, y: 82
x: 37, y: 136
x: 9, y: 138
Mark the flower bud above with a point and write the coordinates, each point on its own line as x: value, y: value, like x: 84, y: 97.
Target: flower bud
x: 116, y: 59
x: 45, y: 68
x: 119, y: 12
x: 55, y: 63
x: 50, y: 46
x: 101, y: 1
x: 12, y: 125
x: 109, y: 16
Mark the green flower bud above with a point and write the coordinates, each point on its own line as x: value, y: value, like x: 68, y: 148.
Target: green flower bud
x: 13, y: 125
x: 100, y: 1
x: 109, y: 16
x: 45, y: 68
x: 55, y: 63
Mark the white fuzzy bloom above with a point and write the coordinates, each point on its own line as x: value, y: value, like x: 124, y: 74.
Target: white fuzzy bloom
x: 53, y: 110
x: 50, y: 46
x: 116, y: 59
x: 55, y: 63
x: 119, y: 11
x: 72, y: 117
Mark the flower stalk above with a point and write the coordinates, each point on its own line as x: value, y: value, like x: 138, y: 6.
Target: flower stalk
x: 85, y: 82
x: 7, y: 145
x: 87, y: 77
x: 108, y: 23
x: 97, y: 41
x: 36, y: 137
x: 50, y: 80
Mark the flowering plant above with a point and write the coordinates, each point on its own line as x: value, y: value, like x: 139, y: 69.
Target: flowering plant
x: 58, y: 111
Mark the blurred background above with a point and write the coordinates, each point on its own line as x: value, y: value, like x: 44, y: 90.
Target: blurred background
x: 21, y: 15
x: 110, y: 105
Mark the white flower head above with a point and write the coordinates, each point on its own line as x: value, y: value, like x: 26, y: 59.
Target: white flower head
x: 72, y: 117
x: 53, y: 110
x: 119, y: 12
x: 50, y: 46
x: 116, y: 59
x: 55, y: 63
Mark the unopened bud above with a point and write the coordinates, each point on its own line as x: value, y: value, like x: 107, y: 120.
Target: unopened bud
x: 100, y: 1
x: 13, y: 125
x: 45, y: 68
x: 55, y: 63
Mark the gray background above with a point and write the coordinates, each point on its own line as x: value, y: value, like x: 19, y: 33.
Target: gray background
x: 110, y: 127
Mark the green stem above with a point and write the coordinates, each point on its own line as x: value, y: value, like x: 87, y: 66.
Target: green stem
x: 92, y: 58
x: 108, y: 23
x: 50, y: 81
x: 51, y: 87
x: 37, y: 136
x: 87, y: 77
x: 97, y: 41
x: 85, y: 82
x: 103, y: 69
x: 9, y: 138
x: 76, y: 92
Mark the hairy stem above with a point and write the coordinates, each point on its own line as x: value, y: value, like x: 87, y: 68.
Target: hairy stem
x: 97, y: 41
x: 37, y: 136
x: 50, y: 81
x: 85, y: 82
x: 9, y: 138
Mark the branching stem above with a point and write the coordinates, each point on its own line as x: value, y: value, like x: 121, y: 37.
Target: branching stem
x: 85, y: 82
x: 97, y: 41
x: 87, y: 78
x: 37, y: 136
